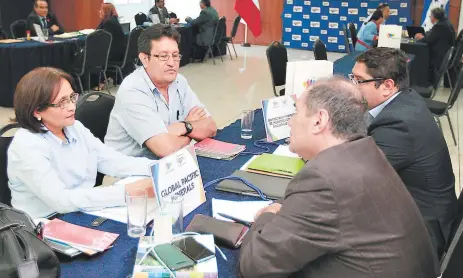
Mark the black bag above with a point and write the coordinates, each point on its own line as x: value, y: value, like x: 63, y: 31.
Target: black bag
x: 22, y: 253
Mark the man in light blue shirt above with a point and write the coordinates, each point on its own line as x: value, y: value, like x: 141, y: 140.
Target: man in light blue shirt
x: 156, y: 112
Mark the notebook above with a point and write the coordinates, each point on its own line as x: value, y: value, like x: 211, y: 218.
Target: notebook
x: 243, y: 210
x: 276, y: 165
x: 273, y: 187
x: 217, y: 149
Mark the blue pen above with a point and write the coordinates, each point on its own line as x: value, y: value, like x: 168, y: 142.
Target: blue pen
x: 245, y: 223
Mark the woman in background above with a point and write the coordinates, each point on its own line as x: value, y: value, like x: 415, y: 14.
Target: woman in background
x: 368, y: 34
x: 110, y: 23
x: 53, y: 159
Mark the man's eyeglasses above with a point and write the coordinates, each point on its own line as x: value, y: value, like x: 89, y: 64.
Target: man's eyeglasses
x: 63, y: 104
x: 356, y: 81
x: 166, y: 57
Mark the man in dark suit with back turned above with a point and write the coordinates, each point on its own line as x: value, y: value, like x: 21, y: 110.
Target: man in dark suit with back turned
x: 407, y: 133
x: 440, y: 38
x: 43, y: 18
x: 346, y: 213
x: 205, y: 23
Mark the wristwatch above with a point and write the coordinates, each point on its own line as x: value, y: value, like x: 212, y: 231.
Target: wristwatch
x: 188, y: 127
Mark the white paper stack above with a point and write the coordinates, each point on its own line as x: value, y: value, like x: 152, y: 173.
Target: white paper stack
x: 390, y: 36
x: 301, y: 74
x: 245, y: 210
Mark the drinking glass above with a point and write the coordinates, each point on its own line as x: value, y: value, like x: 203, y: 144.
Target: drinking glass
x: 247, y: 120
x: 136, y: 212
x: 45, y: 34
x: 168, y: 219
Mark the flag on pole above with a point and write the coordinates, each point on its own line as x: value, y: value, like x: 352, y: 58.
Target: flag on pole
x: 249, y: 11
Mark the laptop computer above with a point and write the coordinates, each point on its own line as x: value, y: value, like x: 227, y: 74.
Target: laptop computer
x: 413, y: 30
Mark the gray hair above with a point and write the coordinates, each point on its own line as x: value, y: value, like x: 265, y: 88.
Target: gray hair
x: 344, y: 103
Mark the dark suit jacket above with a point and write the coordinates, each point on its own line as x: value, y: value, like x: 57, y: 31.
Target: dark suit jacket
x: 345, y: 214
x: 163, y: 13
x: 118, y: 44
x: 33, y: 18
x: 205, y: 23
x: 440, y: 38
x: 407, y: 133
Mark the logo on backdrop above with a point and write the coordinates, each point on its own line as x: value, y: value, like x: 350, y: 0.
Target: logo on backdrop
x: 288, y: 30
x: 362, y: 18
x: 324, y: 17
x: 305, y: 31
x: 290, y: 2
x: 297, y: 23
x: 343, y: 18
x: 323, y: 32
x: 341, y: 32
x: 353, y: 11
x: 333, y: 25
x: 326, y: 4
x: 306, y: 16
x: 403, y: 5
x: 307, y: 3
x: 363, y: 5
x: 403, y: 19
x: 332, y: 40
x: 370, y: 11
x: 286, y: 43
x: 334, y: 10
x: 315, y: 24
x: 288, y: 15
x: 314, y: 38
x: 315, y: 10
x: 341, y: 47
x: 297, y: 9
x: 394, y: 12
x: 304, y: 44
x: 344, y: 4
x: 296, y: 37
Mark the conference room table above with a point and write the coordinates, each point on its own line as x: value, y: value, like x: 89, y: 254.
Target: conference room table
x: 419, y: 68
x: 17, y: 59
x: 119, y: 260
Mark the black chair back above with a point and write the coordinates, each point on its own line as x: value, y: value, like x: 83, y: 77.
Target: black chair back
x: 140, y: 18
x: 18, y: 28
x: 353, y: 33
x: 455, y: 90
x: 459, y: 37
x: 277, y: 57
x: 457, y: 54
x: 236, y: 24
x: 93, y: 110
x: 131, y: 52
x: 443, y: 68
x: 346, y: 39
x: 5, y: 192
x: 96, y: 52
x: 451, y: 266
x: 219, y: 32
x: 319, y: 50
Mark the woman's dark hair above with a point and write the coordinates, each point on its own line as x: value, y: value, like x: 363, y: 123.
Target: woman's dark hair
x: 386, y: 63
x: 438, y: 13
x: 206, y: 3
x: 376, y: 15
x: 108, y: 10
x: 382, y: 6
x: 34, y: 92
x: 153, y: 33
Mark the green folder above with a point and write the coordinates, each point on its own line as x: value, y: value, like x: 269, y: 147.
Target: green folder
x: 276, y: 165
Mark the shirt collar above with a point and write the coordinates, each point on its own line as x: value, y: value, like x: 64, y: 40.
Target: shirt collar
x: 71, y: 136
x: 152, y: 87
x: 375, y: 111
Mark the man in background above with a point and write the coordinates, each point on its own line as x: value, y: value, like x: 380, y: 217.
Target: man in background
x: 346, y: 213
x: 156, y: 113
x: 405, y: 130
x: 44, y: 19
x: 160, y: 9
x: 440, y: 38
x: 384, y: 8
x: 205, y: 23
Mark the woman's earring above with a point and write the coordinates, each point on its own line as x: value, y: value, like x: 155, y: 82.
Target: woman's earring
x: 39, y: 118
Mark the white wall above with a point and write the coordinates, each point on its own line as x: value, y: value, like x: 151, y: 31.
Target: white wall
x: 128, y: 11
x: 460, y: 23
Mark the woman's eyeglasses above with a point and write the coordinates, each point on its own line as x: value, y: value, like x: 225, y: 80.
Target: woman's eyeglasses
x: 63, y: 104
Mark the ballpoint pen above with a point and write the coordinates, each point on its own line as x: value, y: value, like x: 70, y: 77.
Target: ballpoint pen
x: 245, y: 223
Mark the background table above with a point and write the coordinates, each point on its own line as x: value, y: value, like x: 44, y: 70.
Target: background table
x: 18, y: 59
x: 119, y: 260
x: 420, y: 65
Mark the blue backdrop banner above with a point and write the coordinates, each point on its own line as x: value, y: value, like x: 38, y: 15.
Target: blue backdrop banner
x: 306, y: 21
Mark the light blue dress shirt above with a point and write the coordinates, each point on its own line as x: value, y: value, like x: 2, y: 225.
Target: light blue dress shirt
x: 366, y: 34
x: 375, y: 111
x: 48, y: 175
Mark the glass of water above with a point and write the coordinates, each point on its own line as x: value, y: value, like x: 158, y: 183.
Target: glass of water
x: 136, y: 212
x: 168, y: 219
x: 247, y: 120
x: 45, y: 33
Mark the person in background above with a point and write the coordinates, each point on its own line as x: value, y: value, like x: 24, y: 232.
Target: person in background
x: 110, y: 23
x: 440, y: 38
x: 368, y: 34
x: 384, y: 8
x: 406, y: 132
x: 160, y: 9
x: 346, y: 213
x: 156, y: 112
x: 205, y: 23
x: 43, y: 18
x: 53, y: 159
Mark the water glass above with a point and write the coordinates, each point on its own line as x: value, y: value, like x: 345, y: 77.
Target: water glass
x: 45, y: 33
x: 136, y: 212
x: 247, y: 120
x: 168, y: 219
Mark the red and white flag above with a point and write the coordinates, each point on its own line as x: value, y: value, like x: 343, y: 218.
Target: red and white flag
x: 249, y: 11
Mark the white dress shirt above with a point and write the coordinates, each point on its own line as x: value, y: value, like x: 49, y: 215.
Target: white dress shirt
x: 48, y: 175
x: 375, y: 111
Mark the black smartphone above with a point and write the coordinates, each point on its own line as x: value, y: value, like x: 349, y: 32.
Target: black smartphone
x: 172, y: 257
x: 193, y: 249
